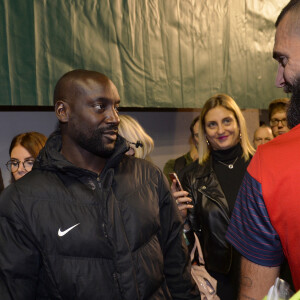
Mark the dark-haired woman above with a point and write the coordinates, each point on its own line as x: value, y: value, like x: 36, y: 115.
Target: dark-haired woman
x: 23, y: 150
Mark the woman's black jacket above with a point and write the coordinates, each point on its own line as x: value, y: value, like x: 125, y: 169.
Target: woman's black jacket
x: 210, y: 216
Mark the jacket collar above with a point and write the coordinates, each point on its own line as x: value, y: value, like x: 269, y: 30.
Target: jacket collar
x: 50, y: 157
x: 203, y: 170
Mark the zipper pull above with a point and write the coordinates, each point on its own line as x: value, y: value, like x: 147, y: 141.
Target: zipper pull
x: 99, y: 182
x: 104, y: 230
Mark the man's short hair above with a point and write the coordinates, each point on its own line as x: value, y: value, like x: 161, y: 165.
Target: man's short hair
x: 278, y: 105
x: 292, y: 5
x: 67, y: 85
x: 261, y: 126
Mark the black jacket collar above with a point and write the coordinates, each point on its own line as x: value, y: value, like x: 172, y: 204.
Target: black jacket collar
x: 50, y: 157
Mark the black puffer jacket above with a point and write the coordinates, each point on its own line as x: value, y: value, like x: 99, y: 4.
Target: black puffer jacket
x: 67, y: 234
x: 210, y: 215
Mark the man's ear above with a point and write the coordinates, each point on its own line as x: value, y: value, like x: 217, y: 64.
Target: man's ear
x: 62, y: 111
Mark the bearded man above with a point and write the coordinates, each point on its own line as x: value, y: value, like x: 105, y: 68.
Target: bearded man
x: 265, y: 223
x: 89, y: 222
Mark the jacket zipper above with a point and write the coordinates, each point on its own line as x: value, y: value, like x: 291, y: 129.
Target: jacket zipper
x: 115, y: 274
x: 99, y: 181
x: 227, y: 218
x: 117, y: 284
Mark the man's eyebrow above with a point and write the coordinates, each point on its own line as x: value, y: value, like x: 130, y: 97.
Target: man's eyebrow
x: 104, y: 99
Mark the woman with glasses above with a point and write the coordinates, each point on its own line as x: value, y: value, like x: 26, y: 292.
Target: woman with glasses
x: 23, y: 150
x: 277, y: 116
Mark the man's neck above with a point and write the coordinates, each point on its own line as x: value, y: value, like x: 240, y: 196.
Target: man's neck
x: 82, y: 158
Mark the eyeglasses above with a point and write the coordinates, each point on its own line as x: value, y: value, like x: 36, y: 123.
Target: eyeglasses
x: 14, y: 164
x: 275, y: 122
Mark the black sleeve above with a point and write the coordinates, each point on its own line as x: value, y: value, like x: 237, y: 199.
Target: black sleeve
x: 19, y: 259
x: 177, y: 266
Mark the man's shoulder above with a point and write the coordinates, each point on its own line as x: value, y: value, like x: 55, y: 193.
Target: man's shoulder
x: 32, y: 184
x: 276, y: 156
x: 284, y: 146
x: 285, y: 140
x: 134, y: 174
x: 13, y: 197
x: 139, y: 165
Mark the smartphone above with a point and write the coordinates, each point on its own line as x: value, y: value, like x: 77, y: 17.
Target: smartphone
x: 173, y: 176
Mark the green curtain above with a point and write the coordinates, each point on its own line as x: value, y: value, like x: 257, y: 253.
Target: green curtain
x: 159, y: 53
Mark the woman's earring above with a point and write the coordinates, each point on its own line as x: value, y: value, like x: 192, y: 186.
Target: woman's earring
x: 240, y: 136
x: 207, y: 142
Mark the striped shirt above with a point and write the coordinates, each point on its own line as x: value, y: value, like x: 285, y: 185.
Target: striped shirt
x: 250, y: 230
x: 265, y: 223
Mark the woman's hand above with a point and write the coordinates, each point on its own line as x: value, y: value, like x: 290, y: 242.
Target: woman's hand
x: 183, y: 202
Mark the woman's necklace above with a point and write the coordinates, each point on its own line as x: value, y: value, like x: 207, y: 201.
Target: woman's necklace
x: 230, y: 166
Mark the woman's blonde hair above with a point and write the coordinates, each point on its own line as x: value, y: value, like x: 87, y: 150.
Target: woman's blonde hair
x: 228, y: 103
x: 132, y: 131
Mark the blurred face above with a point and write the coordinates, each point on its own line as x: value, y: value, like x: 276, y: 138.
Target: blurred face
x: 278, y: 123
x: 262, y: 135
x: 221, y: 128
x: 18, y: 158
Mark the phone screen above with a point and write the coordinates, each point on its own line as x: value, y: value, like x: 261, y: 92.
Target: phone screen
x: 178, y: 184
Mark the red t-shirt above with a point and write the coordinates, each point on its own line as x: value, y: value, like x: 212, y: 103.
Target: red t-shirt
x: 268, y: 205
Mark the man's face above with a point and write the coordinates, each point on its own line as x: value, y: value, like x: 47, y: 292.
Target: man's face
x: 286, y: 52
x: 293, y: 112
x: 278, y: 122
x: 262, y: 135
x: 93, y: 121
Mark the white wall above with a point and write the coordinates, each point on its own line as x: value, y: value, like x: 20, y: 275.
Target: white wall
x: 169, y: 130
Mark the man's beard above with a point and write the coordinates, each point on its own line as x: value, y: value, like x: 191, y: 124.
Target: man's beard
x: 94, y: 143
x: 293, y: 111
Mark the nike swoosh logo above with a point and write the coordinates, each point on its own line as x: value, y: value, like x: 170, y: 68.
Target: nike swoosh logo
x: 62, y: 233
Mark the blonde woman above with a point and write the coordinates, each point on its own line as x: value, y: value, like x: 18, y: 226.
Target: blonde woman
x: 212, y: 184
x: 141, y: 144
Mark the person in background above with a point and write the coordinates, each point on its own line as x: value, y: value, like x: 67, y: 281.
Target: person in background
x: 1, y: 182
x: 141, y: 144
x: 277, y: 116
x: 265, y: 225
x: 213, y: 182
x: 178, y: 164
x: 262, y: 135
x: 89, y: 222
x: 23, y: 150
